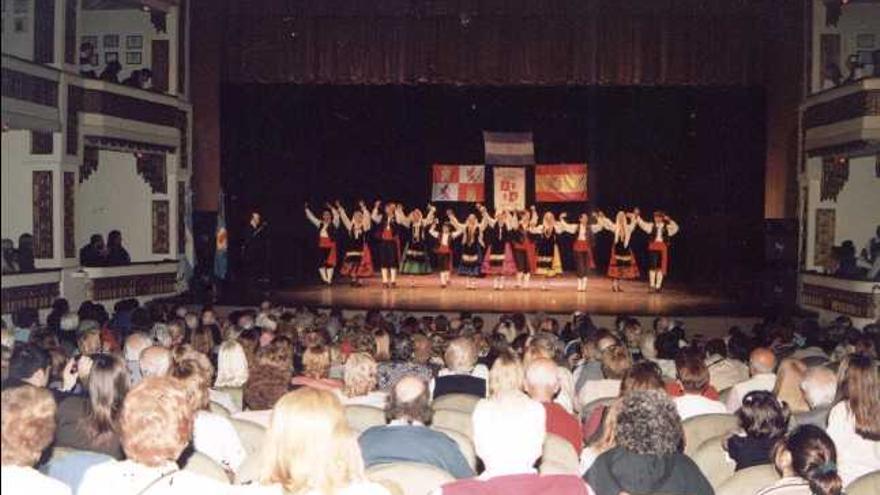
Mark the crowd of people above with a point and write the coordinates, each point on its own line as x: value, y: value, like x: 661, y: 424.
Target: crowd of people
x: 96, y: 253
x: 499, y: 245
x: 18, y: 259
x: 133, y: 394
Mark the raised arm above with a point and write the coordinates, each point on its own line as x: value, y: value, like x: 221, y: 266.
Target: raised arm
x: 334, y: 215
x: 671, y: 226
x: 433, y: 231
x: 431, y: 215
x: 340, y: 211
x: 454, y: 220
x: 311, y: 216
x: 401, y: 217
x: 647, y: 227
x: 375, y: 215
x: 533, y: 218
x: 486, y: 217
x: 598, y: 225
x: 563, y: 226
x: 366, y: 215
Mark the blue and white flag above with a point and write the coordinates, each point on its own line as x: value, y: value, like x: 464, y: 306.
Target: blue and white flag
x: 509, y: 148
x: 221, y: 255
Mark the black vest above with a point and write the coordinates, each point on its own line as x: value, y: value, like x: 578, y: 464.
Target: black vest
x: 459, y: 384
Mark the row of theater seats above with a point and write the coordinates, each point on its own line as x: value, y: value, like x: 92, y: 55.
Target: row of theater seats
x: 452, y: 415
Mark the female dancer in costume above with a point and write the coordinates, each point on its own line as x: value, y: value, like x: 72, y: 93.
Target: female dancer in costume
x: 471, y: 246
x: 622, y: 264
x: 357, y: 262
x: 415, y: 255
x: 327, y: 227
x: 523, y: 248
x: 444, y: 249
x: 546, y: 246
x: 499, y: 256
x: 583, y: 244
x: 660, y: 230
x: 388, y: 251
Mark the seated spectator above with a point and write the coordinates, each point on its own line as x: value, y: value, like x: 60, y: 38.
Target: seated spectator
x: 693, y: 376
x: 405, y: 360
x: 510, y: 458
x: 28, y: 426
x: 854, y: 423
x: 542, y: 385
x: 647, y: 457
x: 213, y: 434
x: 25, y: 253
x: 116, y: 253
x: 359, y: 382
x: 506, y: 376
x: 807, y: 461
x: 156, y: 425
x: 615, y: 363
x: 87, y: 57
x: 154, y: 361
x: 91, y: 421
x: 29, y: 365
x: 269, y: 379
x: 25, y: 321
x: 724, y: 371
x: 316, y: 370
x: 309, y: 449
x: 789, y: 377
x: 763, y: 420
x: 232, y: 374
x: 820, y: 390
x: 762, y: 362
x: 406, y: 438
x: 89, y: 342
x: 649, y: 351
x: 133, y: 79
x: 135, y: 344
x: 460, y: 375
x: 111, y: 72
x: 545, y: 345
x: 202, y: 340
x: 10, y: 257
x: 94, y: 253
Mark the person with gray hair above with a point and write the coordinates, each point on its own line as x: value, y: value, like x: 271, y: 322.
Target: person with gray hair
x: 154, y: 361
x: 762, y: 364
x: 820, y: 390
x: 509, y: 437
x: 647, y: 457
x: 135, y: 344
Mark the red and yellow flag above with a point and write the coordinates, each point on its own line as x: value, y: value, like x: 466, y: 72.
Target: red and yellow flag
x: 561, y: 183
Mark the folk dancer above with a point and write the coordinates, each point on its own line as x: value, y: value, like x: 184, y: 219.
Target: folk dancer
x: 547, y: 247
x: 357, y: 262
x: 416, y: 260
x: 622, y: 264
x: 499, y: 260
x: 443, y: 249
x: 582, y: 248
x: 388, y: 248
x: 472, y: 245
x: 327, y: 227
x: 523, y: 248
x: 661, y: 229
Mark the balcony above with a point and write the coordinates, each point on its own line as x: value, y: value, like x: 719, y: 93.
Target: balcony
x: 130, y: 281
x: 843, y: 121
x: 30, y: 290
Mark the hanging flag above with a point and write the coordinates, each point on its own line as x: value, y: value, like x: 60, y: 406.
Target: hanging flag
x: 510, y: 188
x: 509, y: 148
x: 459, y: 183
x: 221, y: 258
x: 561, y: 183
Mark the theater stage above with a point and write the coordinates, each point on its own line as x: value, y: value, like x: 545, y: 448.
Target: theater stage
x: 418, y: 294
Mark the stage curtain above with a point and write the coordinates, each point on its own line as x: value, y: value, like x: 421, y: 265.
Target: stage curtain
x: 495, y: 42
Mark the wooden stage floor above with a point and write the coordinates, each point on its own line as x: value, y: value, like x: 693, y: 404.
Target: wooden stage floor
x: 424, y: 294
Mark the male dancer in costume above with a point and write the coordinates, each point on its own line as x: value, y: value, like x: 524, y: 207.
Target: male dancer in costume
x: 357, y: 262
x: 583, y: 244
x: 523, y: 248
x: 389, y: 242
x: 660, y: 230
x: 327, y: 226
x: 444, y: 237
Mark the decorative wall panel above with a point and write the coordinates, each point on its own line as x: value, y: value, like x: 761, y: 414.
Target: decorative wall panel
x: 42, y: 203
x: 825, y: 224
x: 161, y: 227
x: 69, y: 215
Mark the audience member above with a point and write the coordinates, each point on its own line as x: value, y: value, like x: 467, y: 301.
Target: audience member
x: 693, y: 376
x: 820, y: 390
x: 542, y: 385
x: 854, y: 423
x: 506, y: 375
x: 232, y: 375
x: 407, y: 438
x: 94, y: 253
x: 648, y: 350
x: 763, y: 420
x: 269, y: 378
x: 9, y: 257
x: 156, y: 425
x: 310, y: 450
x: 546, y: 345
x: 111, y: 72
x: 762, y: 364
x: 406, y: 359
x: 135, y: 345
x: 509, y: 438
x: 789, y: 377
x: 316, y: 370
x: 154, y: 361
x: 359, y: 382
x: 724, y: 371
x: 461, y: 373
x: 91, y: 421
x: 116, y: 253
x: 807, y: 461
x: 28, y: 426
x: 25, y: 253
x: 615, y: 363
x: 647, y: 457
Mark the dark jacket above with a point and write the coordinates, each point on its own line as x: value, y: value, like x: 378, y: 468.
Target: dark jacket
x: 72, y: 431
x: 395, y: 443
x: 459, y: 384
x: 619, y: 470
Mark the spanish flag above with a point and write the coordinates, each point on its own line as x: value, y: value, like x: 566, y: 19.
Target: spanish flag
x: 561, y: 183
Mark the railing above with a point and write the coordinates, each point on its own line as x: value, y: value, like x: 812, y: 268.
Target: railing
x: 855, y: 298
x: 135, y: 280
x: 30, y: 290
x: 844, y: 120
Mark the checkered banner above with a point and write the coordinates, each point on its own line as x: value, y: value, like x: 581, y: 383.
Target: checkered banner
x: 465, y: 183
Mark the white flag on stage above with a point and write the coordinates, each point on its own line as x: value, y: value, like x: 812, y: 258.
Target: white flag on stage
x: 510, y: 188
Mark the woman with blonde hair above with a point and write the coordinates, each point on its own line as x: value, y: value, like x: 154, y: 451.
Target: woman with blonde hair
x: 310, y: 450
x: 789, y: 377
x: 232, y: 374
x: 854, y: 423
x: 506, y: 375
x: 359, y: 382
x: 316, y: 370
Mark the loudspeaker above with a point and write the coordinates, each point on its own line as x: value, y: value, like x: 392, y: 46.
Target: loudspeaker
x: 779, y: 287
x: 780, y: 243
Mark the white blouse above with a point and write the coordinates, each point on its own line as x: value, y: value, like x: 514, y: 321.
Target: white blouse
x: 855, y: 455
x: 16, y: 480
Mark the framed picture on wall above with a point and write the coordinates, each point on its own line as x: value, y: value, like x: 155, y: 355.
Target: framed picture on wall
x: 111, y: 57
x: 865, y: 40
x: 133, y: 58
x: 134, y: 42
x: 111, y: 41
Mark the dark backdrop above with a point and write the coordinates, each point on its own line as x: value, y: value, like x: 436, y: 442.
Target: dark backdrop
x: 695, y: 152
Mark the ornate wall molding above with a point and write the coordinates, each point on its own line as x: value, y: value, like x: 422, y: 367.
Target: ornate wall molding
x: 835, y: 173
x: 27, y: 87
x: 69, y: 215
x: 855, y: 304
x: 152, y: 167
x: 42, y: 203
x: 862, y: 104
x: 161, y: 227
x: 29, y: 296
x: 132, y: 286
